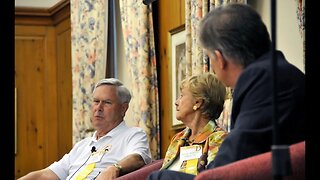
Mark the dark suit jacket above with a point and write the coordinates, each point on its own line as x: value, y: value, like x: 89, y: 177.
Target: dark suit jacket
x: 252, y: 110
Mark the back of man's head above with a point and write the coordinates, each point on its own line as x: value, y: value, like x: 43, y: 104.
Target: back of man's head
x: 237, y: 31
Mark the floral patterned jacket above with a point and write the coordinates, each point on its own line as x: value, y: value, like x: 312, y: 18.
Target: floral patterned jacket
x: 210, y: 139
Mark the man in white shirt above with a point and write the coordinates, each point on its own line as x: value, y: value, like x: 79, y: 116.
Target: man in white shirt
x: 113, y: 150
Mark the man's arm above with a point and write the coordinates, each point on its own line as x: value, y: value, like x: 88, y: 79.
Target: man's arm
x: 128, y: 164
x: 40, y: 174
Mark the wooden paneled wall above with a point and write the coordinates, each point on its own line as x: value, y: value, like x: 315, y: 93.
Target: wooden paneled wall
x: 64, y: 87
x: 171, y: 15
x: 35, y: 82
x: 44, y: 88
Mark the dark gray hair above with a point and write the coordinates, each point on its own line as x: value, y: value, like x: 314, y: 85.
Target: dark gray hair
x: 122, y: 92
x: 237, y: 31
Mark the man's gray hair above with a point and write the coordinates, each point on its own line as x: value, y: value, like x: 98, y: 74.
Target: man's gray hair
x: 237, y: 31
x: 123, y: 93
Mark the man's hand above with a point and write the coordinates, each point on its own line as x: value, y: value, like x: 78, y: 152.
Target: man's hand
x: 110, y: 172
x: 128, y: 164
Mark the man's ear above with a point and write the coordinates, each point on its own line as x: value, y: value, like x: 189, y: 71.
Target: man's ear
x: 220, y: 59
x: 124, y: 109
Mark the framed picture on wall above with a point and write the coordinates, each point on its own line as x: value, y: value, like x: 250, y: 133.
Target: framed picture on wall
x: 177, y: 59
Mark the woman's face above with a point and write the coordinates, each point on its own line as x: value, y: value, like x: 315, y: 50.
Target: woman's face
x: 184, y: 105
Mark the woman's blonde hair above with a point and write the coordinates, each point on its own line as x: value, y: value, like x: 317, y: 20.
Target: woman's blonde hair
x: 207, y: 87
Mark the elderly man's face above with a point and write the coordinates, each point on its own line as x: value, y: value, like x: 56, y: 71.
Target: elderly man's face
x: 106, y: 107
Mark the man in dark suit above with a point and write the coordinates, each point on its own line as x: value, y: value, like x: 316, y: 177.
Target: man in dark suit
x: 238, y: 45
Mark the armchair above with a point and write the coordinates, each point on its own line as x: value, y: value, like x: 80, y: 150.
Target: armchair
x: 255, y: 167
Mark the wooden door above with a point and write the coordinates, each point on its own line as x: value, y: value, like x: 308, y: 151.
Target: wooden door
x: 170, y: 17
x: 36, y: 111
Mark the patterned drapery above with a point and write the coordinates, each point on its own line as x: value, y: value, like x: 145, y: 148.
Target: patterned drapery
x: 137, y: 28
x: 197, y: 62
x: 301, y: 21
x: 88, y: 37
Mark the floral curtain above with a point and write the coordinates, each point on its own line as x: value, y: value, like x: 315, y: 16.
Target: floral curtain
x: 197, y: 62
x: 138, y: 34
x: 301, y: 21
x: 88, y: 37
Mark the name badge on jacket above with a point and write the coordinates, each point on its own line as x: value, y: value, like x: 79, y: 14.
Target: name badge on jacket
x: 190, y: 152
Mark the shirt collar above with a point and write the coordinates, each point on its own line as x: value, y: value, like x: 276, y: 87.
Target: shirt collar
x: 205, y: 132
x: 112, y: 133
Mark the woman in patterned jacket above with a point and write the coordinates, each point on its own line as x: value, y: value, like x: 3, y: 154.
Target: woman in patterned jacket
x: 200, y: 103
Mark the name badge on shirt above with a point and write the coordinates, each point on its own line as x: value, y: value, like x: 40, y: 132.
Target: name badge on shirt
x: 190, y: 152
x: 96, y: 156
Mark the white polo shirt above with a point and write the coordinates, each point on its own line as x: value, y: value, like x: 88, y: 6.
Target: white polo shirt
x: 119, y: 142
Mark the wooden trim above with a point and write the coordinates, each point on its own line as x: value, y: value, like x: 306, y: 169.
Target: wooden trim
x: 31, y: 11
x: 42, y: 16
x: 61, y: 13
x: 33, y: 20
x: 59, y: 6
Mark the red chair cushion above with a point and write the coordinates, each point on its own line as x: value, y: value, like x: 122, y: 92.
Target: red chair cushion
x: 258, y: 167
x: 143, y: 172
